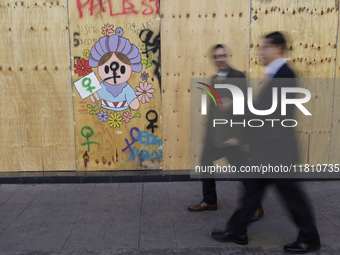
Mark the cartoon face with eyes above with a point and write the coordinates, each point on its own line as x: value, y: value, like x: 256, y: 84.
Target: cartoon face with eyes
x: 114, y: 68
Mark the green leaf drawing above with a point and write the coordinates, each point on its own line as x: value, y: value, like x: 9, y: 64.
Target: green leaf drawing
x: 92, y: 112
x: 96, y: 107
x: 149, y: 57
x: 137, y: 115
x: 89, y: 106
x: 143, y: 62
x: 148, y: 65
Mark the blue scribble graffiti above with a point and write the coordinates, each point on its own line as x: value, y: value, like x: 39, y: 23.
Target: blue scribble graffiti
x: 147, y: 139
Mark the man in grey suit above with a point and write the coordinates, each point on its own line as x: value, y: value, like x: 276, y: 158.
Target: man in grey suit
x: 274, y: 146
x: 222, y: 140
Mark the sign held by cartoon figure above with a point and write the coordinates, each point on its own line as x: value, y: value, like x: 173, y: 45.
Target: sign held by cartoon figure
x: 87, y: 85
x: 116, y: 58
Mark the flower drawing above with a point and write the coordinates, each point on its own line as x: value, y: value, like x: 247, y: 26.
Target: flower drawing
x: 115, y: 120
x: 144, y: 92
x: 119, y: 31
x: 127, y: 117
x: 144, y: 76
x: 86, y: 53
x: 107, y: 29
x: 102, y: 116
x: 82, y: 68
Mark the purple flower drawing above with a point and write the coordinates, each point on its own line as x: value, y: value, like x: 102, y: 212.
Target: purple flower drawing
x: 119, y: 31
x: 144, y: 76
x: 102, y: 116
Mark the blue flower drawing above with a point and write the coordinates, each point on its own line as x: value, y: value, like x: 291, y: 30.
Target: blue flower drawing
x: 102, y: 116
x: 144, y: 76
x: 119, y: 31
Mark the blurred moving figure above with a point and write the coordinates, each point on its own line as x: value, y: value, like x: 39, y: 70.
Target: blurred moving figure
x: 222, y: 141
x: 275, y: 146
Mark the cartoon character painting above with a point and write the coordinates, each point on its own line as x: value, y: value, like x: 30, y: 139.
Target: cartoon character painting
x: 116, y: 58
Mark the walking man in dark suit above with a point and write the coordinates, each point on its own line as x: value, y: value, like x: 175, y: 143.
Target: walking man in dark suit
x: 275, y: 146
x: 222, y: 141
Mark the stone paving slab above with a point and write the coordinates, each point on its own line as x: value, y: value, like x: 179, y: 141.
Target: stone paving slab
x: 149, y: 218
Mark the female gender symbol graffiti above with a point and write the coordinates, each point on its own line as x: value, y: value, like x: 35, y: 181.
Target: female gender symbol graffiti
x: 88, y: 85
x: 151, y: 125
x: 87, y: 136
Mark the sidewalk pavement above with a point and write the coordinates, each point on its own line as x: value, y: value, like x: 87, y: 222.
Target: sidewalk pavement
x: 149, y: 218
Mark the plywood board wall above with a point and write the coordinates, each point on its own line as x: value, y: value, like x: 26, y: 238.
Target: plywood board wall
x: 110, y: 137
x: 37, y: 132
x: 189, y: 29
x: 46, y: 125
x: 311, y: 31
x: 335, y: 127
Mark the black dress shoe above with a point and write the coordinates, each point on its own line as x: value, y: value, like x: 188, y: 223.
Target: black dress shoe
x: 301, y: 248
x: 228, y: 236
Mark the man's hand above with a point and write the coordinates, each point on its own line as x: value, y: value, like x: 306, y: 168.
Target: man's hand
x: 232, y: 142
x: 227, y: 104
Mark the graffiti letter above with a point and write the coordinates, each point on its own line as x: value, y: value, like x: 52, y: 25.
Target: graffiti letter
x: 155, y: 44
x: 157, y: 5
x: 81, y: 6
x: 93, y: 6
x: 141, y: 135
x: 129, y: 8
x: 144, y: 3
x: 133, y: 153
x: 133, y: 139
x: 145, y: 155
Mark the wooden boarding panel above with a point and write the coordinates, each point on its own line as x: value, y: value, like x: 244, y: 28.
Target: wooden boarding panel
x: 312, y: 51
x: 310, y: 46
x: 121, y: 129
x: 37, y: 132
x: 49, y: 123
x: 189, y: 29
x: 334, y: 155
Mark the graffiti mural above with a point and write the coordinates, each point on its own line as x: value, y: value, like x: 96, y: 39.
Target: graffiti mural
x: 116, y: 76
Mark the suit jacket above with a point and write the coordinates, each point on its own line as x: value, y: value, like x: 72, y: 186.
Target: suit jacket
x: 274, y: 145
x: 217, y: 135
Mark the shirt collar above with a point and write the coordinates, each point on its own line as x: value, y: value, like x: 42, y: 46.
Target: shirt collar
x: 222, y: 74
x: 274, y: 66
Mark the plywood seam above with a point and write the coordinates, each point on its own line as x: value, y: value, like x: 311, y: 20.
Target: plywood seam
x: 72, y: 97
x: 160, y: 85
x: 336, y: 53
x: 250, y: 20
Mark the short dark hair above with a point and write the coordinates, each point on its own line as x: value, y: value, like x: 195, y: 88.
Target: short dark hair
x: 277, y: 38
x: 121, y: 56
x: 217, y: 46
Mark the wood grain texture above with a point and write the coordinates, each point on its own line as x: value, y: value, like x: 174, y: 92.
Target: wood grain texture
x: 310, y: 46
x: 189, y: 29
x: 37, y: 132
x: 334, y: 157
x: 86, y: 25
x: 42, y: 114
x: 312, y: 50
